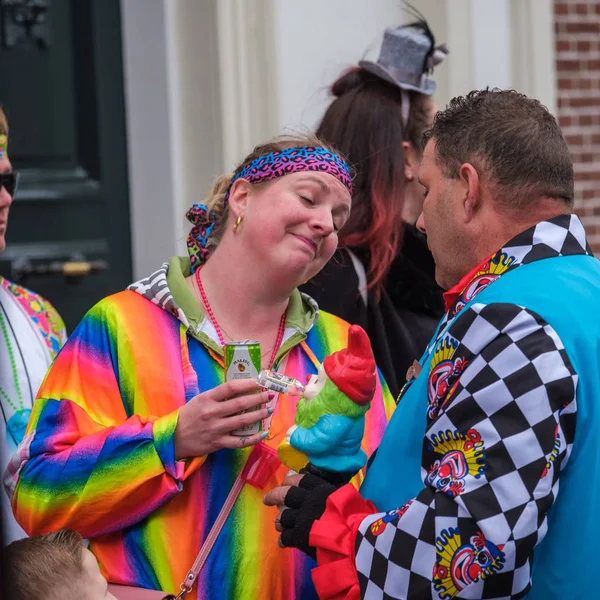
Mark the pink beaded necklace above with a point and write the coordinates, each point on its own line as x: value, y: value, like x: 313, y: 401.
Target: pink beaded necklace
x: 213, y: 320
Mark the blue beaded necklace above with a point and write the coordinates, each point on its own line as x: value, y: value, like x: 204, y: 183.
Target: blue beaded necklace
x: 17, y: 423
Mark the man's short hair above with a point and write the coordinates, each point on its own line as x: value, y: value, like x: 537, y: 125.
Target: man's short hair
x: 510, y: 139
x: 46, y: 567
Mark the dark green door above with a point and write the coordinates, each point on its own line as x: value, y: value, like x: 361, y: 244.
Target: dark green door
x: 61, y: 86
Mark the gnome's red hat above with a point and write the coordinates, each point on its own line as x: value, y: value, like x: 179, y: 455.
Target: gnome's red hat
x: 353, y: 369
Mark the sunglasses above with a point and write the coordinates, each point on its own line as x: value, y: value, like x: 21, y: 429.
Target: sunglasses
x: 9, y: 181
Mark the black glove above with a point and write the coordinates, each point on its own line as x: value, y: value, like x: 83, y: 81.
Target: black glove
x: 305, y: 504
x: 334, y: 477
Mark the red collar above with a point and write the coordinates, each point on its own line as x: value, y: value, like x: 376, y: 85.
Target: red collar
x: 454, y: 292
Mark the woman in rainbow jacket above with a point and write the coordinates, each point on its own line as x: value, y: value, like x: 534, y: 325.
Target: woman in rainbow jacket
x: 130, y: 440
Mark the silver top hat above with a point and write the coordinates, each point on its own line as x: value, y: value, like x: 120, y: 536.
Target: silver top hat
x: 407, y: 58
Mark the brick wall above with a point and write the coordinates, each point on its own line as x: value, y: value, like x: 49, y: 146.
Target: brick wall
x: 577, y: 28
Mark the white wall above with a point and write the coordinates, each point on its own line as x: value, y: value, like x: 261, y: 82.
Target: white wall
x: 318, y: 39
x: 492, y: 44
x: 247, y: 76
x: 206, y: 80
x: 496, y: 43
x: 147, y: 101
x: 196, y: 134
x: 278, y: 57
x: 478, y: 34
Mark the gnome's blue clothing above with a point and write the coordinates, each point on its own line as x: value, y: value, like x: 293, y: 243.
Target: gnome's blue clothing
x: 332, y: 443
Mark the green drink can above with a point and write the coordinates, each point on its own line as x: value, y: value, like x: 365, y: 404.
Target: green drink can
x: 242, y: 361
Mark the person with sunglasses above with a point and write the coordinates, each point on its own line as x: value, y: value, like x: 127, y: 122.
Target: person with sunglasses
x: 31, y: 334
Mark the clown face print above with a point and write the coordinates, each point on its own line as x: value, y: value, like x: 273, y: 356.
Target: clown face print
x: 392, y: 516
x: 461, y: 455
x: 443, y: 374
x: 458, y: 564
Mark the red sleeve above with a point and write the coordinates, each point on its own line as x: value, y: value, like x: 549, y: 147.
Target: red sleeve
x: 334, y: 535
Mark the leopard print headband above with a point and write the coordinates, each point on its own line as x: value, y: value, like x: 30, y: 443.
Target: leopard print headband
x: 261, y: 169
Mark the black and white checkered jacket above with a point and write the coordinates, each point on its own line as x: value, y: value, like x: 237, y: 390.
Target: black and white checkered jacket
x: 499, y: 430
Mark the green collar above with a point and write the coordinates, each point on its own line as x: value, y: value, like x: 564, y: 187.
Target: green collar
x: 301, y: 312
x: 179, y: 269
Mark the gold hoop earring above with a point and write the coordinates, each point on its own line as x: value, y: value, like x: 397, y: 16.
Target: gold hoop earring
x: 237, y: 223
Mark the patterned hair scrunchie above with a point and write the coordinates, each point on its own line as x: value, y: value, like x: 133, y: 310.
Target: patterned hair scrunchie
x: 261, y: 169
x: 203, y: 222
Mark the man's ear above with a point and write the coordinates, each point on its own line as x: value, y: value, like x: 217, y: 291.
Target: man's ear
x: 471, y: 201
x: 239, y: 195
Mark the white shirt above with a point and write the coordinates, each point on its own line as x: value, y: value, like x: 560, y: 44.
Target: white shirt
x: 31, y: 333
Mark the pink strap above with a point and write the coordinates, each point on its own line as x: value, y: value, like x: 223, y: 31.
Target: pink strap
x: 209, y: 542
x: 125, y: 592
x: 257, y: 469
x: 260, y: 466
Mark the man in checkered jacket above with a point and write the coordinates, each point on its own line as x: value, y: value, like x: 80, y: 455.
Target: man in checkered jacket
x: 462, y: 500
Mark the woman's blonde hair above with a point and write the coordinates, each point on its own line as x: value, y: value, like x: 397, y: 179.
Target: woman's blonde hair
x: 215, y: 199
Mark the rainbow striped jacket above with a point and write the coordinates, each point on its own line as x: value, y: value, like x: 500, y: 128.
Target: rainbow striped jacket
x: 99, y: 449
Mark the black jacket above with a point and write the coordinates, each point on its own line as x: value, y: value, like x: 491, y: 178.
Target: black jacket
x: 404, y: 319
